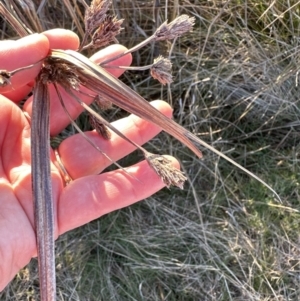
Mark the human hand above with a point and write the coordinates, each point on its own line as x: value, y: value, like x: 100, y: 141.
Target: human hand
x: 89, y: 195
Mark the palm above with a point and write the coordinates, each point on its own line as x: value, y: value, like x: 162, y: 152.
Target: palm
x: 90, y: 195
x: 16, y: 205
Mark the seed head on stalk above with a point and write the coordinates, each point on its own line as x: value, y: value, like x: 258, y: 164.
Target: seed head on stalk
x: 174, y: 29
x: 95, y: 14
x: 98, y: 22
x: 161, y: 70
x: 105, y: 33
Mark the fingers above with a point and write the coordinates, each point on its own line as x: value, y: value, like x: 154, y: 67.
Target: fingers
x: 28, y: 51
x: 91, y: 197
x: 62, y: 39
x: 14, y: 140
x: 21, y: 53
x: 20, y: 93
x: 58, y: 118
x: 81, y: 159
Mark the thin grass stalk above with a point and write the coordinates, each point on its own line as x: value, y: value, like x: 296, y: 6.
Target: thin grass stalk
x: 13, y: 21
x: 28, y: 9
x: 42, y: 190
x: 71, y: 8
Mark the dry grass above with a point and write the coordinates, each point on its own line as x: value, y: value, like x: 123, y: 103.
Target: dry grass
x: 224, y: 237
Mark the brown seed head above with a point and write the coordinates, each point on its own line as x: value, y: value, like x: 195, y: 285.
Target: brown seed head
x: 100, y: 128
x: 161, y: 70
x: 95, y: 14
x: 176, y: 28
x: 106, y: 32
x: 102, y: 103
x: 57, y: 71
x: 165, y: 170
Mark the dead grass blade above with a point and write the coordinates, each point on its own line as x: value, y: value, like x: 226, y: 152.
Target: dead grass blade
x: 14, y: 22
x: 28, y: 15
x: 74, y: 15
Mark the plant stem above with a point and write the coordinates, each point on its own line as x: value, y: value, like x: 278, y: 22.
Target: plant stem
x: 137, y: 68
x: 133, y: 49
x: 42, y: 190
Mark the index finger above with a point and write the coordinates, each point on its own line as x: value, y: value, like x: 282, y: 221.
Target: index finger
x: 22, y: 53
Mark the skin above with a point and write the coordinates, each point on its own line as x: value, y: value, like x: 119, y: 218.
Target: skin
x: 89, y: 195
